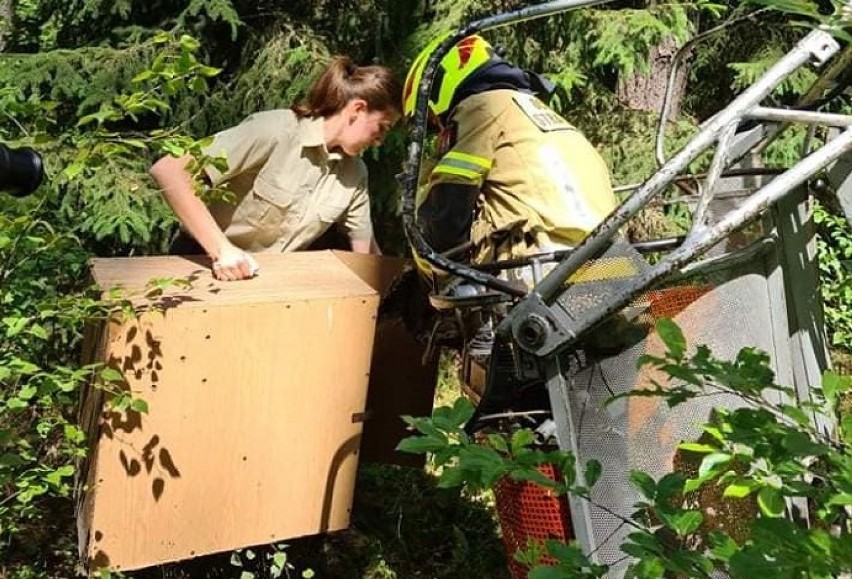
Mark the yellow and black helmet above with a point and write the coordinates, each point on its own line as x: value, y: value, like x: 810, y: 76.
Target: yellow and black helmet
x: 465, y: 58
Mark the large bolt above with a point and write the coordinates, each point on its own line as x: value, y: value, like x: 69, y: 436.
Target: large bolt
x: 533, y: 332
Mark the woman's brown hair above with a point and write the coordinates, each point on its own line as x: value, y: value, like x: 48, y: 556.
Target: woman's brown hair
x: 343, y: 81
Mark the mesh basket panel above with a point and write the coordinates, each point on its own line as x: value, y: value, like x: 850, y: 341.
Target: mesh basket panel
x: 727, y: 314
x: 611, y: 273
x: 529, y: 512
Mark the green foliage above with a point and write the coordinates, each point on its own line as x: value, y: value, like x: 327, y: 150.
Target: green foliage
x: 29, y: 386
x: 405, y: 525
x: 570, y: 561
x: 463, y: 461
x: 479, y: 464
x: 44, y: 306
x: 768, y: 453
x: 834, y: 247
x: 623, y: 38
x: 96, y: 88
x: 270, y: 563
x: 835, y: 20
x: 746, y: 73
x: 44, y: 25
x: 779, y: 455
x: 45, y: 309
x: 42, y: 314
x: 282, y: 64
x: 101, y: 188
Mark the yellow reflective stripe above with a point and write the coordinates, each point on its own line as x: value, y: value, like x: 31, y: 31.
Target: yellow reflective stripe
x: 449, y: 169
x: 465, y: 165
x: 607, y: 268
x: 474, y: 160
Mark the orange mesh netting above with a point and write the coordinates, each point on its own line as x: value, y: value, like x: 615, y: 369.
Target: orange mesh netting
x: 529, y: 512
x: 669, y: 302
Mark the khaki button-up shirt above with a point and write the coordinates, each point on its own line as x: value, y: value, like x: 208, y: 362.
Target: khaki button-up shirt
x: 290, y: 189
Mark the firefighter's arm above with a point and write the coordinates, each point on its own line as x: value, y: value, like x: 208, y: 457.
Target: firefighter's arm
x: 447, y: 211
x: 447, y: 214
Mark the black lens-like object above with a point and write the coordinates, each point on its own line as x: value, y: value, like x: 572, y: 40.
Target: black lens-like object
x: 21, y: 170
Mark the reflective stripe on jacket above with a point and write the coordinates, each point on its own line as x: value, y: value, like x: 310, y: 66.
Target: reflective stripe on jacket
x: 540, y: 180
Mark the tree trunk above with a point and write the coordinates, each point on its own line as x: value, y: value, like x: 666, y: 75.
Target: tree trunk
x: 7, y: 12
x: 646, y: 91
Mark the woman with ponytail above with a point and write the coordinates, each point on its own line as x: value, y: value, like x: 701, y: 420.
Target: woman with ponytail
x: 295, y: 173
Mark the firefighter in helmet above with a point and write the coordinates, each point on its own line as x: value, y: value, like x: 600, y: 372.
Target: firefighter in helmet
x: 513, y: 178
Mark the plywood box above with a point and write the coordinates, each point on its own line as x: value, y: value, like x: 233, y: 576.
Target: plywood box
x: 402, y: 376
x: 256, y: 393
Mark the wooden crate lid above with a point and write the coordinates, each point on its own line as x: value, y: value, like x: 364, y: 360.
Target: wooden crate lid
x: 283, y: 277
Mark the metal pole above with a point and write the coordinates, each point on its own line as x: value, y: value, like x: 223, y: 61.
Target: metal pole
x: 759, y: 202
x: 817, y: 44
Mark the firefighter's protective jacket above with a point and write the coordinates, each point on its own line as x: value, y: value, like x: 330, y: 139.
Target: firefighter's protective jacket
x: 515, y: 178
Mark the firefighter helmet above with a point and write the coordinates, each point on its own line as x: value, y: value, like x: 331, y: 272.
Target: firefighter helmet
x: 463, y: 59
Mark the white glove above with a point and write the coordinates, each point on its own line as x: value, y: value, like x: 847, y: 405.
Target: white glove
x: 234, y: 264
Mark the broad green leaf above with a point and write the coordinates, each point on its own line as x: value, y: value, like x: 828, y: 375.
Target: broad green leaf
x: 208, y: 70
x: 715, y: 432
x: 420, y: 444
x: 566, y: 553
x: 198, y: 85
x: 833, y: 384
x: 27, y: 392
x: 592, y: 473
x: 672, y: 337
x: 669, y: 486
x: 686, y: 522
x: 801, y: 444
x: 279, y: 558
x: 189, y: 43
x: 38, y: 331
x: 644, y: 483
x: 771, y: 502
x: 649, y: 568
x: 522, y: 438
x: 16, y: 404
x: 24, y: 367
x: 144, y: 75
x: 846, y: 429
x: 840, y: 499
x: 139, y: 405
x: 451, y: 478
x: 796, y: 414
x: 498, y: 442
x: 723, y: 546
x: 712, y: 463
x: 111, y: 375
x: 697, y: 447
x: 55, y: 478
x: 14, y: 325
x: 532, y: 475
x: 740, y: 489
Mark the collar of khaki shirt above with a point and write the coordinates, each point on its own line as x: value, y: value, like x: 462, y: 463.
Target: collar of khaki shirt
x: 311, y: 134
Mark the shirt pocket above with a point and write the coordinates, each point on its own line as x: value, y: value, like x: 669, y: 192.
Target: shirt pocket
x: 271, y: 212
x: 331, y: 211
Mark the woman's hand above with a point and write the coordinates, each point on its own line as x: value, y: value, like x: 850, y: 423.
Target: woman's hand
x: 365, y: 246
x: 234, y: 264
